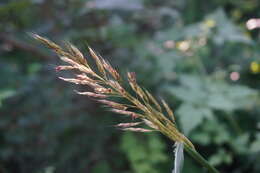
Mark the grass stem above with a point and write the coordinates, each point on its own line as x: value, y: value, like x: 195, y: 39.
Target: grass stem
x: 200, y: 159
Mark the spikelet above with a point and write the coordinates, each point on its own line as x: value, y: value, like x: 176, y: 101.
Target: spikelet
x: 98, y: 61
x: 76, y: 54
x: 91, y: 94
x: 169, y: 111
x: 127, y: 125
x: 111, y: 70
x: 150, y: 124
x: 137, y: 130
x: 153, y: 100
x: 64, y: 67
x: 113, y: 104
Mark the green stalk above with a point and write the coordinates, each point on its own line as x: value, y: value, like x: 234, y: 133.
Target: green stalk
x: 195, y: 155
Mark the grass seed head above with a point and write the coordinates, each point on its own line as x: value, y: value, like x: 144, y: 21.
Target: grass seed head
x: 146, y: 107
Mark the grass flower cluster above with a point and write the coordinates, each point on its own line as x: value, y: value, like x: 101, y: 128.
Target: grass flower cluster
x: 106, y: 83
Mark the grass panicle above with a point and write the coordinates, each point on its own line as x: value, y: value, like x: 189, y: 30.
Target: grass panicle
x: 106, y: 83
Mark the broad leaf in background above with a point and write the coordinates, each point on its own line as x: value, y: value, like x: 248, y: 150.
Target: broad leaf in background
x: 226, y: 30
x: 191, y: 116
x: 213, y: 95
x: 221, y: 157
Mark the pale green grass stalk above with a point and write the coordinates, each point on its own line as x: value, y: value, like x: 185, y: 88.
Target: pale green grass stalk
x: 106, y: 83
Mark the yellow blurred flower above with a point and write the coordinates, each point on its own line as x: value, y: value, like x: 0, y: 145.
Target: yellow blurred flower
x: 255, y: 67
x: 210, y: 23
x: 183, y: 45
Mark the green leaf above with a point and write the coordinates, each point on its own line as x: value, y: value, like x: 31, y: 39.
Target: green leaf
x: 201, y: 138
x: 226, y: 29
x: 190, y: 116
x: 255, y: 146
x: 191, y: 90
x: 220, y: 102
x: 240, y: 144
x: 220, y: 157
x: 4, y: 94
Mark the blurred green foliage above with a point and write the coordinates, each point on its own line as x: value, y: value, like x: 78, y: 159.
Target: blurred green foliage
x: 147, y: 155
x: 198, y: 55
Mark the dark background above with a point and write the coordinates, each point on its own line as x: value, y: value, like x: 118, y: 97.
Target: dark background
x: 196, y: 54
